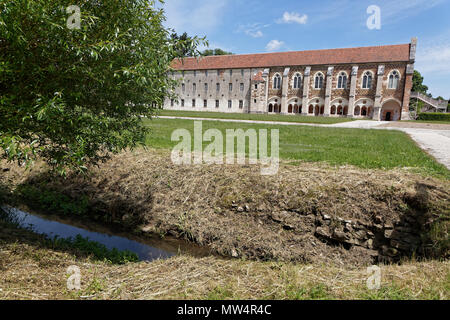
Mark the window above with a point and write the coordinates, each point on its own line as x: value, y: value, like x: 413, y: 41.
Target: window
x: 182, y: 102
x: 230, y: 87
x: 241, y: 87
x: 206, y: 87
x: 171, y: 102
x: 297, y: 81
x: 241, y: 104
x: 206, y: 72
x: 218, y: 72
x: 183, y: 87
x: 254, y: 100
x: 217, y: 103
x: 394, y: 78
x: 342, y: 80
x: 194, y: 87
x: 195, y: 73
x: 242, y: 72
x: 231, y: 72
x: 217, y: 87
x: 205, y: 103
x: 367, y: 80
x: 256, y: 86
x: 182, y: 73
x: 193, y: 103
x: 318, y: 81
x: 230, y: 104
x: 277, y: 81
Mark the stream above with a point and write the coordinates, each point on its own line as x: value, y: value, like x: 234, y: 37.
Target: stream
x: 147, y: 249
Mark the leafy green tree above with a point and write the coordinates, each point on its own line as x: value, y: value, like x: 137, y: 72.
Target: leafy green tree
x: 74, y: 96
x: 184, y: 45
x: 418, y: 85
x: 215, y: 52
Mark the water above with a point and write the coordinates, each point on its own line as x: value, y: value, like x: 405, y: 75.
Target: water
x: 147, y: 250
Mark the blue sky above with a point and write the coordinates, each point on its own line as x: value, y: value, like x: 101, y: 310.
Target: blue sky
x: 253, y: 26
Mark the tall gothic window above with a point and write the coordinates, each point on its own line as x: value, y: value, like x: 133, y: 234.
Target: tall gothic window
x: 394, y: 79
x: 297, y: 81
x: 277, y: 82
x: 367, y: 80
x: 342, y: 81
x: 318, y: 81
x: 194, y: 87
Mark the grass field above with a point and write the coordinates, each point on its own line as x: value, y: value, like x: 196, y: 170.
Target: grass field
x: 336, y: 146
x: 258, y: 117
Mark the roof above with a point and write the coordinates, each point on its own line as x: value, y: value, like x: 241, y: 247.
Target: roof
x: 390, y: 53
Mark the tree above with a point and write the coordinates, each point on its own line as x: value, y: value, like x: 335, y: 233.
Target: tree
x: 215, y: 52
x: 418, y: 85
x: 184, y: 45
x: 74, y: 96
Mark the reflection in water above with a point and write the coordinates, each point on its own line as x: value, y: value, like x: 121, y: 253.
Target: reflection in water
x: 62, y: 230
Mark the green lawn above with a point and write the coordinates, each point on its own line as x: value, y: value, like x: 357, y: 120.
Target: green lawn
x: 337, y: 146
x: 258, y: 117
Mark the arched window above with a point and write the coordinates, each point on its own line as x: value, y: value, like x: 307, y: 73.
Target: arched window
x: 270, y: 108
x: 277, y: 81
x: 194, y: 87
x: 367, y: 80
x: 318, y: 81
x: 333, y: 110
x: 311, y: 109
x: 342, y: 80
x: 394, y: 79
x: 297, y: 81
x: 357, y: 111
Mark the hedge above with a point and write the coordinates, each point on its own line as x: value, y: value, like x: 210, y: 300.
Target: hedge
x: 434, y: 116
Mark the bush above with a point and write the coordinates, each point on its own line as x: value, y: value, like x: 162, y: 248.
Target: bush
x: 435, y: 116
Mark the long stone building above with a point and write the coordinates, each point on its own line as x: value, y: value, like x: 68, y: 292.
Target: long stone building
x: 365, y: 82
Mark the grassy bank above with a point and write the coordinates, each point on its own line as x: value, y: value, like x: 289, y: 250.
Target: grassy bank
x: 266, y: 217
x: 258, y: 117
x: 32, y: 270
x: 367, y: 149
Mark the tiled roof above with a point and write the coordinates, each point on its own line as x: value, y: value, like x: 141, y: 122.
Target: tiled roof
x: 391, y: 53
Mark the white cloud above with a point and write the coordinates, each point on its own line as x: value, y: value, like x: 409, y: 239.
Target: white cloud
x: 196, y: 17
x: 293, y: 17
x: 252, y: 30
x: 274, y: 45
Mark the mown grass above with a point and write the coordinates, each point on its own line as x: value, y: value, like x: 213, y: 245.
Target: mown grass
x: 378, y: 149
x: 32, y: 270
x: 250, y: 116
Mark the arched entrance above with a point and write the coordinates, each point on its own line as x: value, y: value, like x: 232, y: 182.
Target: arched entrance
x: 391, y: 111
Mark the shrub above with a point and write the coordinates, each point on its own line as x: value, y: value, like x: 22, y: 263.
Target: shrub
x: 435, y: 116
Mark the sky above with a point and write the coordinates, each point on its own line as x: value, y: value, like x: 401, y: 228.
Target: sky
x: 256, y: 26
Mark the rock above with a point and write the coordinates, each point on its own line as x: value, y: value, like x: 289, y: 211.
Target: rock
x: 324, y: 232
x: 247, y: 208
x: 378, y: 219
x: 340, y: 235
x: 234, y: 253
x: 388, y: 233
x: 326, y: 217
x: 240, y: 209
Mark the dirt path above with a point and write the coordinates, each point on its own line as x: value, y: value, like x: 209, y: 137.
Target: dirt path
x: 433, y: 138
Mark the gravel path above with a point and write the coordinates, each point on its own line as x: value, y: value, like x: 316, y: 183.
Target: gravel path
x: 434, y: 142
